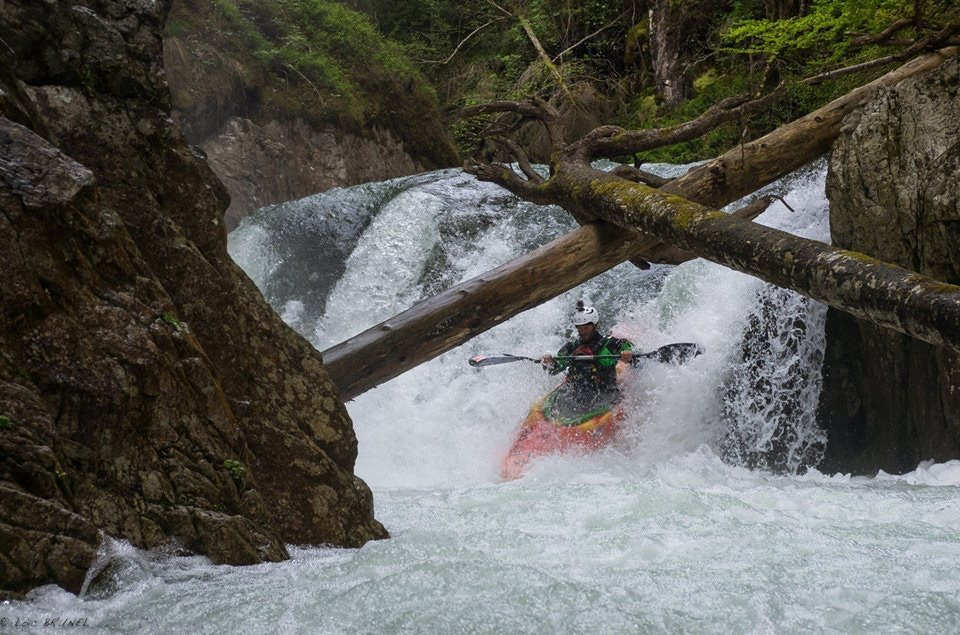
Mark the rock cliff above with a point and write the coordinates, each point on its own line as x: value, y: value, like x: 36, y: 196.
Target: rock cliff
x: 889, y: 401
x: 253, y: 86
x: 147, y: 391
x: 284, y: 161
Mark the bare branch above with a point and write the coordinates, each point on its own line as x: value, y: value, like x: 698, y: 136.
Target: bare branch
x: 520, y: 156
x: 464, y: 41
x: 612, y: 141
x: 882, y: 36
x: 531, y: 109
x: 508, y: 179
x: 545, y: 58
x: 939, y: 39
x: 637, y: 175
x: 595, y: 33
x: 856, y: 68
x: 535, y: 108
x: 497, y: 6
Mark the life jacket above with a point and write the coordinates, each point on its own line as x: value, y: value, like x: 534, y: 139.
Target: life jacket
x: 598, y: 374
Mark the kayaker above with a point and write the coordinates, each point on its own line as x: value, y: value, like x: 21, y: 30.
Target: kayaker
x: 593, y: 380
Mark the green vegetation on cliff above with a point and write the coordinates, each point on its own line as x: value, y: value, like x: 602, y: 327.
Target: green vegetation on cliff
x: 314, y: 59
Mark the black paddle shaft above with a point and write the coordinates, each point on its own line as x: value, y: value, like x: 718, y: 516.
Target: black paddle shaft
x: 670, y: 353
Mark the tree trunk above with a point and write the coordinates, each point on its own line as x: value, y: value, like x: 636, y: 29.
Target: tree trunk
x: 451, y: 318
x: 883, y: 294
x: 667, y: 41
x: 386, y: 350
x: 675, y: 31
x: 782, y: 9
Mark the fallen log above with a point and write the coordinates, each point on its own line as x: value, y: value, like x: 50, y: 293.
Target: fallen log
x: 449, y: 319
x: 436, y: 325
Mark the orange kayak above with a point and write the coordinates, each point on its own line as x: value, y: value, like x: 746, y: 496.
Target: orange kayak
x: 562, y: 422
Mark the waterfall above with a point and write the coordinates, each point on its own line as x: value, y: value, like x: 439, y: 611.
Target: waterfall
x: 339, y: 262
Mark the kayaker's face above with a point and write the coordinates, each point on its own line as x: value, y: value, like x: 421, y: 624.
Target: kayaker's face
x: 586, y: 331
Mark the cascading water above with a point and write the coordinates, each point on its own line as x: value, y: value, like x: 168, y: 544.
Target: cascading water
x: 705, y: 516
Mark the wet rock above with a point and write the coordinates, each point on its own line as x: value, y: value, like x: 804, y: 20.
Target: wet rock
x: 890, y: 401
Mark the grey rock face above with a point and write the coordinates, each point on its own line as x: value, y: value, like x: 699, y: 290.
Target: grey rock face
x: 890, y: 401
x: 278, y: 162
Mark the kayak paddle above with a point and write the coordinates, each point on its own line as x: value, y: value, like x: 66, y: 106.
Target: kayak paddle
x: 503, y: 358
x: 670, y: 353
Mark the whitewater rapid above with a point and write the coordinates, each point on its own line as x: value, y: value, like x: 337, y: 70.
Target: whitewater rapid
x: 705, y: 517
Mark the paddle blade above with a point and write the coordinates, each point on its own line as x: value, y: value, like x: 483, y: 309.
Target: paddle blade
x: 491, y: 360
x: 677, y: 353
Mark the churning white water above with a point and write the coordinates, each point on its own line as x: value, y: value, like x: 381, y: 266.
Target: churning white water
x: 704, y: 517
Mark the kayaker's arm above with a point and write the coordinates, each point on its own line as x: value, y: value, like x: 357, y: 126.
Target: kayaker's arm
x: 555, y: 366
x: 550, y: 364
x: 621, y: 347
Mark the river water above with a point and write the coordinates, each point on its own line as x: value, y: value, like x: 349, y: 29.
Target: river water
x: 706, y: 516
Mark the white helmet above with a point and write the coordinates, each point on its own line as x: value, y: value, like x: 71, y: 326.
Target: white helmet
x: 585, y: 315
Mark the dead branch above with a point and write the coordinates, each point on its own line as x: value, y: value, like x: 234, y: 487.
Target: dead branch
x: 451, y: 318
x: 545, y: 58
x: 588, y: 37
x: 637, y: 175
x: 883, y: 36
x: 939, y: 39
x: 464, y: 41
x: 523, y: 161
x: 613, y: 141
x: 529, y: 109
x: 503, y: 176
x: 499, y: 8
x: 534, y: 108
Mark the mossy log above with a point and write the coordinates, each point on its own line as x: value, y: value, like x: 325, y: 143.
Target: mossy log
x: 878, y: 292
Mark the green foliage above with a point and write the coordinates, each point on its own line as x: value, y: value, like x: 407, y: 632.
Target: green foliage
x: 236, y: 469
x: 331, y: 62
x: 5, y: 423
x: 473, y: 52
x: 819, y: 38
x: 327, y: 57
x: 315, y: 59
x: 752, y: 50
x: 170, y: 318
